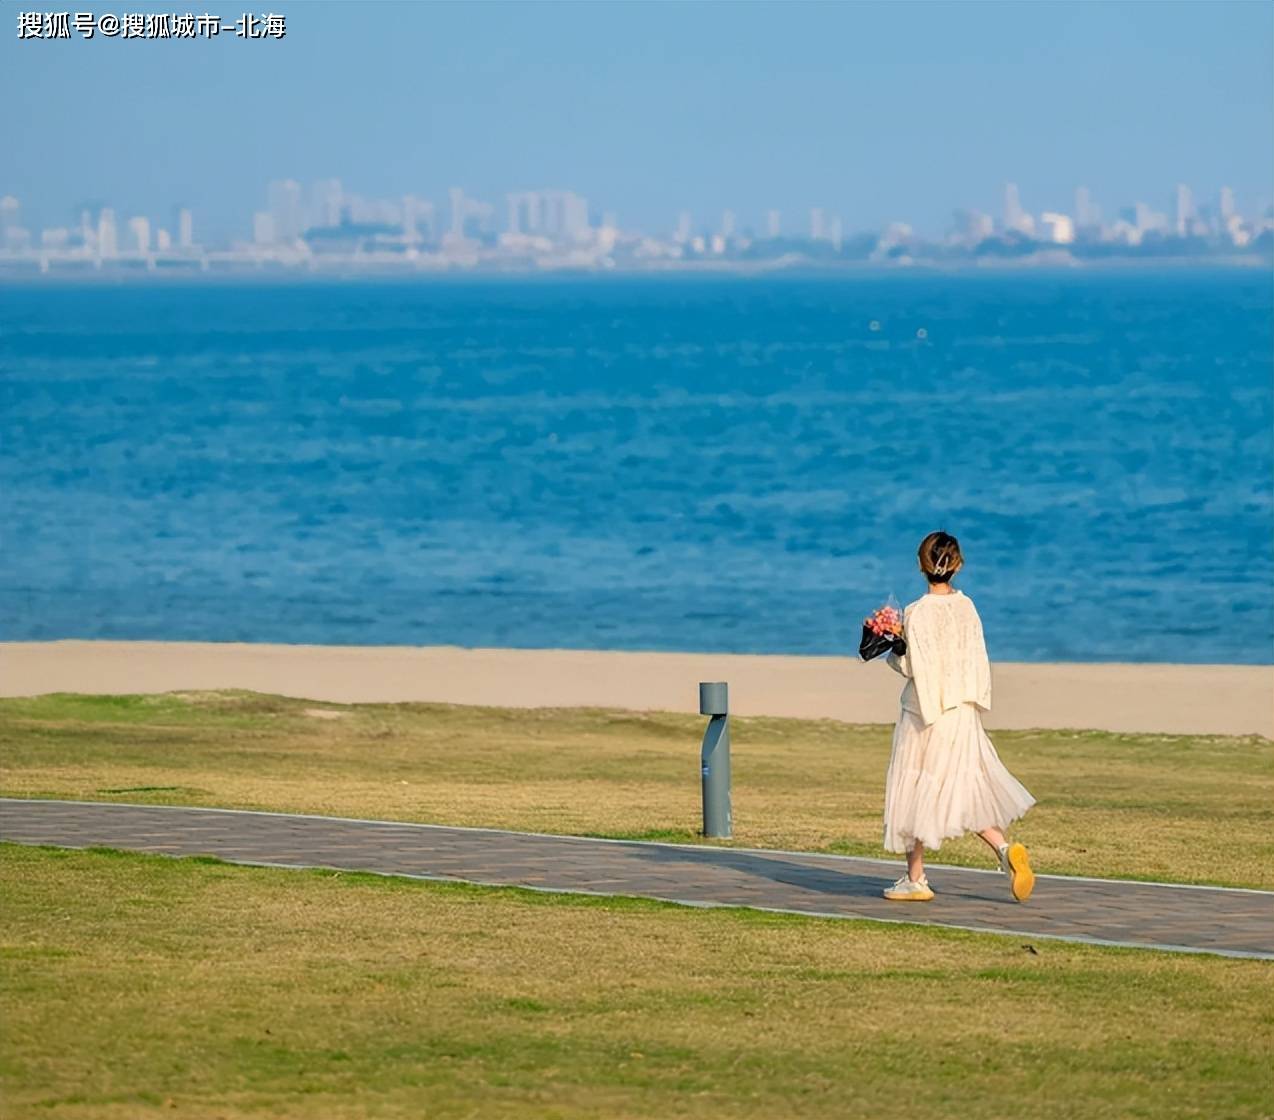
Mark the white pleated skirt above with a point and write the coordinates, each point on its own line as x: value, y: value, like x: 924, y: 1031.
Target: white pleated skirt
x: 945, y: 780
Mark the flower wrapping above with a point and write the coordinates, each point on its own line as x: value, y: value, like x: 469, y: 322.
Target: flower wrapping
x: 882, y: 632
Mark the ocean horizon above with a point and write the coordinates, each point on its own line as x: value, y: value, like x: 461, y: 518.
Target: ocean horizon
x: 720, y: 463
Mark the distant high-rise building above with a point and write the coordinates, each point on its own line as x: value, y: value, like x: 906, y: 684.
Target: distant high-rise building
x: 285, y: 208
x: 727, y: 224
x: 1184, y: 210
x: 562, y: 214
x: 9, y: 226
x: 1087, y: 213
x: 528, y: 213
x: 552, y: 213
x: 481, y: 219
x: 682, y: 234
x: 371, y: 211
x: 185, y: 229
x: 163, y: 240
x: 1230, y: 224
x: 577, y: 223
x: 816, y: 224
x: 140, y: 230
x: 459, y: 211
x: 470, y: 219
x: 1083, y: 208
x: 893, y: 241
x: 417, y: 213
x: 1012, y: 206
x: 13, y: 236
x: 772, y: 223
x: 107, y: 243
x: 327, y: 203
x: 1058, y: 228
x: 1016, y: 220
x: 972, y: 227
x: 834, y: 233
x: 263, y: 232
x: 1147, y: 220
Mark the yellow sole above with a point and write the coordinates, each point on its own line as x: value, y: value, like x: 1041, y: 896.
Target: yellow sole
x: 1023, y: 878
x: 909, y: 897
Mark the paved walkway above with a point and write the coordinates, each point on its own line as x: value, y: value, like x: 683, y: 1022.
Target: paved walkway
x: 1179, y: 918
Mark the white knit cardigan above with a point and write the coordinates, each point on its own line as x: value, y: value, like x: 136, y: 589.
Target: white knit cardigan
x: 946, y: 662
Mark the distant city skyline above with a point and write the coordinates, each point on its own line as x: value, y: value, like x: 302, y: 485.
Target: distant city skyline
x: 321, y: 225
x: 871, y: 113
x: 290, y: 207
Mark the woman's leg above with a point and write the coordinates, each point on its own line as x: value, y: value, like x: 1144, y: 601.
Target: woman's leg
x: 994, y: 837
x: 916, y: 862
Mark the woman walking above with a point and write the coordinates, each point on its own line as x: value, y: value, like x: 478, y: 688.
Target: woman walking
x: 945, y: 778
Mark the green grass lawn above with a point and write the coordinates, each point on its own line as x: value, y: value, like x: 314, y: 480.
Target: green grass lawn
x: 1187, y: 808
x: 137, y: 986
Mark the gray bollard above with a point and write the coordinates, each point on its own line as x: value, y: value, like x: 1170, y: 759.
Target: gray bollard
x: 715, y: 759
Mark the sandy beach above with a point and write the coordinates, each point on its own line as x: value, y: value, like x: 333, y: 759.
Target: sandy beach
x: 1173, y: 699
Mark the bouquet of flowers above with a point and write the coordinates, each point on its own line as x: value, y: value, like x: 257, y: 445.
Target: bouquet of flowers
x: 882, y: 632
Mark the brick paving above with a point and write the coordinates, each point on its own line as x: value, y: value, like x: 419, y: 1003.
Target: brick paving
x: 1149, y: 915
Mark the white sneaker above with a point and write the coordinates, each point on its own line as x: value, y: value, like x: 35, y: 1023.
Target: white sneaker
x: 910, y: 890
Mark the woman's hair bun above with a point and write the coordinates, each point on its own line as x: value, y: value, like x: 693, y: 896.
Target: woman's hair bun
x: 940, y: 556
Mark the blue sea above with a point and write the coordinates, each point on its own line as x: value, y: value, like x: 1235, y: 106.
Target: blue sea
x: 663, y: 463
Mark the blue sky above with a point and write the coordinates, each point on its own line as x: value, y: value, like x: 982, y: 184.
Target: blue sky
x: 878, y: 112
